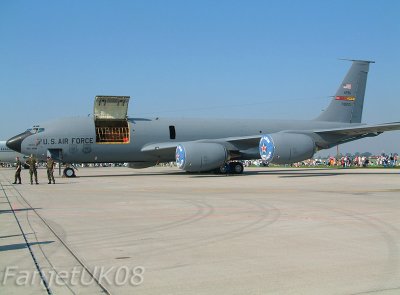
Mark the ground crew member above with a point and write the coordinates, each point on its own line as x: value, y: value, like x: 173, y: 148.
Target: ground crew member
x: 32, y: 168
x: 50, y: 169
x: 18, y: 171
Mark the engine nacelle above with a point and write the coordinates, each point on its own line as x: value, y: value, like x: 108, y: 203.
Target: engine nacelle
x: 285, y: 148
x: 200, y: 156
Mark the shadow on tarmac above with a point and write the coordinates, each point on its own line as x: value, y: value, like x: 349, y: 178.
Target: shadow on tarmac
x: 284, y: 173
x: 20, y: 246
x: 18, y: 210
x: 310, y: 172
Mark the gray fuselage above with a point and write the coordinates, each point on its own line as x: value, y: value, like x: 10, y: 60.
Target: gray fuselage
x: 76, y: 137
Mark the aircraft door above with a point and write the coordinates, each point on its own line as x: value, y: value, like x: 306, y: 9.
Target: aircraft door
x: 55, y: 154
x: 110, y: 118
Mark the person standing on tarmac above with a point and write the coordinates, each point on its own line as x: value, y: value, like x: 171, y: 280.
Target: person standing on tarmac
x: 50, y: 169
x: 18, y: 171
x: 32, y: 168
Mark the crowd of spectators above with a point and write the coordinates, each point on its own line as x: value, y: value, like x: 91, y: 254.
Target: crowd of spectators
x: 383, y: 160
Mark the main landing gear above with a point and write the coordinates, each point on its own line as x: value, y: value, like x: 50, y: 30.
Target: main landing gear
x: 231, y: 168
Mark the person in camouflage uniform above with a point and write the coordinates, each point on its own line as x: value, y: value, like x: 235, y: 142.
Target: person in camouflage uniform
x: 18, y: 171
x: 50, y: 170
x: 32, y: 168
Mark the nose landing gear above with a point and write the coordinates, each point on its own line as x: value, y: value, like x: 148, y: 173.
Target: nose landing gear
x: 69, y: 172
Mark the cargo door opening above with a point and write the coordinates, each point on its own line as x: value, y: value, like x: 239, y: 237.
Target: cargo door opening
x: 110, y: 119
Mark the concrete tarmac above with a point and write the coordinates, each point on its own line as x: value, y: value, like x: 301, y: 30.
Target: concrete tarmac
x: 162, y: 231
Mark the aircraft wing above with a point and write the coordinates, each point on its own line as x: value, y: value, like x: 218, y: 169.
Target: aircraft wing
x: 249, y: 144
x: 363, y: 129
x: 231, y: 143
x: 246, y: 141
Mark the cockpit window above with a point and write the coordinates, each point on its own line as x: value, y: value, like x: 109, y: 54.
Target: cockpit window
x: 35, y: 129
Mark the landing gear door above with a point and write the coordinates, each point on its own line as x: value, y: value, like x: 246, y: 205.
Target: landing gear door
x: 110, y: 119
x: 111, y: 107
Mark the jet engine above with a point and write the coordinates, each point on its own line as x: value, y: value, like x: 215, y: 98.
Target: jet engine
x: 285, y: 148
x: 200, y: 156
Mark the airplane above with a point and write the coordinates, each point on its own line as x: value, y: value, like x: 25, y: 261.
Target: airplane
x: 201, y: 145
x: 7, y: 155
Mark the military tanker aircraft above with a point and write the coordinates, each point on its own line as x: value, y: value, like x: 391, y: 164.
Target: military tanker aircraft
x: 199, y: 145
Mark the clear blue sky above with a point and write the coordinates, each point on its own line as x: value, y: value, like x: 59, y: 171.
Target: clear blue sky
x: 263, y: 59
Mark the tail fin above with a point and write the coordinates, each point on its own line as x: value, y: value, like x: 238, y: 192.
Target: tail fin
x: 347, y: 105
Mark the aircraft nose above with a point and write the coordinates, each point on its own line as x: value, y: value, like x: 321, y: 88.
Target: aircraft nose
x: 15, y: 142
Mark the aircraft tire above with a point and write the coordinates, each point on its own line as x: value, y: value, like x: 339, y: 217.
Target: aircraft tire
x: 69, y: 172
x: 236, y: 167
x: 224, y: 169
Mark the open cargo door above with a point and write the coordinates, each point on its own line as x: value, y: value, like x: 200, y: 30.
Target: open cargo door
x: 110, y: 119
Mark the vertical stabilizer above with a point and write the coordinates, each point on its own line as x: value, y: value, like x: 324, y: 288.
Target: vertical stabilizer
x: 347, y: 105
